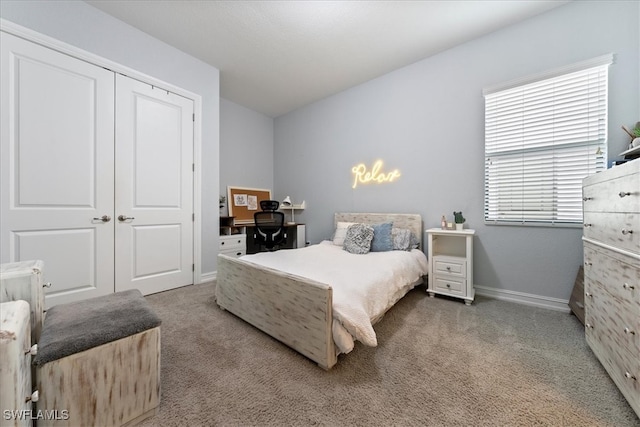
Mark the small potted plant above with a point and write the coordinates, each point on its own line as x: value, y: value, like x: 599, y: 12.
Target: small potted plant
x: 459, y: 220
x: 222, y: 204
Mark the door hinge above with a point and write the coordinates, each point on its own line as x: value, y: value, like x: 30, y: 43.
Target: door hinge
x: 193, y: 267
x: 193, y: 116
x: 193, y: 217
x: 193, y: 167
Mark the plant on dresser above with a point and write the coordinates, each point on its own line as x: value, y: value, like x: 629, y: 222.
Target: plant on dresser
x: 611, y: 237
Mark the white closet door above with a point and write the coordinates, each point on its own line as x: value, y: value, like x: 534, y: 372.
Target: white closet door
x: 154, y: 188
x: 57, y: 168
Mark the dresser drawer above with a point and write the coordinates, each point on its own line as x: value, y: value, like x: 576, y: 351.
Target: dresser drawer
x: 618, y: 274
x: 450, y: 285
x: 233, y: 243
x: 453, y: 266
x: 621, y: 230
x: 618, y: 194
x: 622, y: 366
x: 234, y: 253
x: 616, y: 319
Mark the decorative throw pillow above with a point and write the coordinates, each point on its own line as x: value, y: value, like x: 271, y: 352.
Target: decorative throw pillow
x: 401, y: 239
x: 382, y: 240
x: 341, y: 231
x: 415, y: 242
x: 358, y: 239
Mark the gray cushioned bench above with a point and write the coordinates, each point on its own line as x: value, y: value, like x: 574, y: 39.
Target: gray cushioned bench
x: 99, y: 359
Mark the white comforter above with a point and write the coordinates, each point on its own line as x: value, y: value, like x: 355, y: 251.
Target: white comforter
x: 364, y: 286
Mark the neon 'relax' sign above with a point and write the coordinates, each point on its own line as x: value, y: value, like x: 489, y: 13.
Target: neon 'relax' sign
x: 362, y: 176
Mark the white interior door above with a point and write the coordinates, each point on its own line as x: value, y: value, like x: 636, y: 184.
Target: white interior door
x: 154, y: 188
x: 57, y: 168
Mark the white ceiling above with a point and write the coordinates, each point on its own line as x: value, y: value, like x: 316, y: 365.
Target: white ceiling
x: 276, y: 56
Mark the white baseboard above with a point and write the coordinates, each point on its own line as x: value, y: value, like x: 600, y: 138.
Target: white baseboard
x: 524, y: 298
x: 208, y: 277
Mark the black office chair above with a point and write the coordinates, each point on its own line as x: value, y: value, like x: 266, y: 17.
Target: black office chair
x: 269, y: 225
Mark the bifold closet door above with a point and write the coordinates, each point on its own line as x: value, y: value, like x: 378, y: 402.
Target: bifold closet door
x: 57, y: 168
x: 153, y: 188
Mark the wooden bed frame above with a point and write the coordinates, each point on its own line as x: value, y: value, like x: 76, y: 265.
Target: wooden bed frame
x: 295, y: 310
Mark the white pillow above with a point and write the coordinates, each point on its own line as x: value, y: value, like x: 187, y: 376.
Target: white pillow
x: 341, y: 232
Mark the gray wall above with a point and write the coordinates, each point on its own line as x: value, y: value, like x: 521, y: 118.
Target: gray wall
x: 83, y: 26
x: 427, y: 121
x: 246, y: 147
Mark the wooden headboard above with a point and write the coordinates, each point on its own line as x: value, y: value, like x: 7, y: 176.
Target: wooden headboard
x: 411, y: 221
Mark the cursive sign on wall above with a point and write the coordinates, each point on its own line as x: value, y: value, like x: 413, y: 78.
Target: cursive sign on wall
x: 362, y: 176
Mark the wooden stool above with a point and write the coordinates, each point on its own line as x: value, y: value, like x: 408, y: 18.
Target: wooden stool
x: 98, y: 362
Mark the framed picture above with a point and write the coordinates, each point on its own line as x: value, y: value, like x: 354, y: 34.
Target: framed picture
x: 243, y: 202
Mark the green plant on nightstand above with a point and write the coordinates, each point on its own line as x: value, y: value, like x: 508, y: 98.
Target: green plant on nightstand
x: 458, y: 219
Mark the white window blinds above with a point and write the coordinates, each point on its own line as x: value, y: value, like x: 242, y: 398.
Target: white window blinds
x: 542, y: 138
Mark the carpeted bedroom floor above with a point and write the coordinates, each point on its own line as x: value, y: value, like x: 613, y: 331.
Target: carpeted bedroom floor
x: 438, y: 363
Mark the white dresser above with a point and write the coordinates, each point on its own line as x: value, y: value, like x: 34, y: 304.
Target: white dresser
x: 234, y: 245
x: 450, y: 255
x: 611, y: 206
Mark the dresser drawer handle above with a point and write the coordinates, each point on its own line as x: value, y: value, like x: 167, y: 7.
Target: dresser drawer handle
x: 629, y: 331
x: 448, y: 268
x: 448, y: 285
x: 588, y: 264
x: 629, y: 376
x: 588, y: 325
x: 628, y: 286
x: 588, y: 225
x: 586, y: 199
x: 624, y: 193
x: 589, y: 294
x: 625, y: 231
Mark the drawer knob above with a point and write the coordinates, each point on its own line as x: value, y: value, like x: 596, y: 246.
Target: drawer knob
x: 588, y: 264
x: 629, y: 331
x: 625, y: 231
x: 588, y: 225
x: 624, y: 193
x: 629, y: 376
x: 586, y: 199
x: 588, y: 325
x: 448, y: 285
x: 46, y: 285
x: 589, y: 294
x: 33, y: 350
x: 628, y: 286
x: 448, y: 268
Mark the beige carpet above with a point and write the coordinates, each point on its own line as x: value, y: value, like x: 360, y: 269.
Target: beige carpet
x: 438, y: 363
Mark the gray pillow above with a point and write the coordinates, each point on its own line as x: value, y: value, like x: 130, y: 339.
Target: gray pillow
x: 358, y: 239
x: 401, y: 239
x: 382, y: 240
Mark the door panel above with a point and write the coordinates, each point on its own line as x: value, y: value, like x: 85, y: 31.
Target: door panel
x: 57, y: 168
x: 154, y: 188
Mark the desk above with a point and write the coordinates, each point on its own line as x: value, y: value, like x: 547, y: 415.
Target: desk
x: 296, y: 238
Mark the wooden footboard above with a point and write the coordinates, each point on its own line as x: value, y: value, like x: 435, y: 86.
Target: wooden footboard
x: 294, y: 310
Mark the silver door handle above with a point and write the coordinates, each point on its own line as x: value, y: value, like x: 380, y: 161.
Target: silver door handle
x: 624, y: 193
x: 103, y: 218
x: 124, y: 218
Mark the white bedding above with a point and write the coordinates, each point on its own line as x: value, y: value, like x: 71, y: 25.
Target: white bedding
x: 364, y: 286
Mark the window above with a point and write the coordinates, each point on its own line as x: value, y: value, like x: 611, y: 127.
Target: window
x: 543, y: 136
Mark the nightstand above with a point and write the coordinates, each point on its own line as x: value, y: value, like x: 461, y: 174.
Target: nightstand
x: 450, y: 255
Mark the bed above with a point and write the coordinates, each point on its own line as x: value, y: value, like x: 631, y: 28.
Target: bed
x: 319, y: 299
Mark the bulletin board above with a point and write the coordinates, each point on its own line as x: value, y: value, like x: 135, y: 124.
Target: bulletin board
x: 244, y: 202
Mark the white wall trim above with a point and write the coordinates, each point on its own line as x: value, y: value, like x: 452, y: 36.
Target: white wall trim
x: 524, y: 298
x: 67, y: 49
x: 208, y: 277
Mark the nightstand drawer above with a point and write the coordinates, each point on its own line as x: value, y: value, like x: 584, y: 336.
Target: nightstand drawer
x: 233, y: 243
x: 451, y: 286
x: 450, y: 266
x: 234, y: 253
